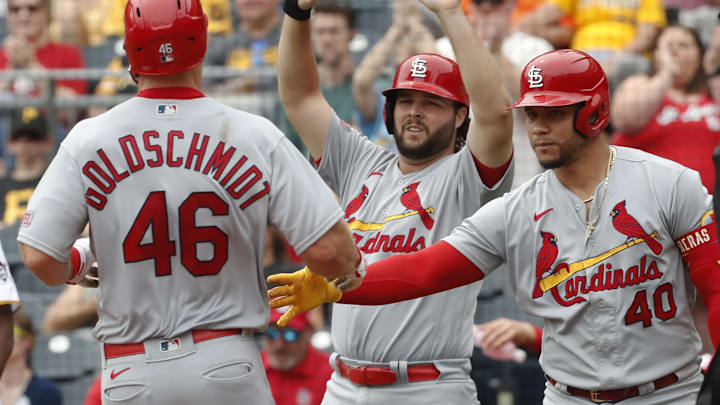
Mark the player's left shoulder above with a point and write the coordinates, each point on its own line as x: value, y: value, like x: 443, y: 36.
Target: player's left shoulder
x: 635, y: 163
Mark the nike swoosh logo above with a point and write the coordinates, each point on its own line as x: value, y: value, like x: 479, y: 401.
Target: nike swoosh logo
x: 114, y: 374
x: 538, y: 216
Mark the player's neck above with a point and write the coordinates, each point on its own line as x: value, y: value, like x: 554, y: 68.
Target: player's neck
x: 587, y: 171
x: 191, y: 78
x: 407, y: 165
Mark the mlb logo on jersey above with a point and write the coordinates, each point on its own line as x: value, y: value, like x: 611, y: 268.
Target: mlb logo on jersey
x: 167, y: 109
x: 170, y: 345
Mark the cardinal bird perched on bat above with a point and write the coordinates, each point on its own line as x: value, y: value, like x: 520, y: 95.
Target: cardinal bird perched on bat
x: 629, y: 226
x: 356, y: 203
x: 411, y: 200
x: 545, y: 259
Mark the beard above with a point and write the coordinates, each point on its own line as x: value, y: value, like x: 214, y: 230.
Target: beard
x: 438, y: 141
x: 569, y: 152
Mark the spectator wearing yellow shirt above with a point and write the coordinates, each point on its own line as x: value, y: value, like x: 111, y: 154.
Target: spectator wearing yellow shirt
x: 602, y: 27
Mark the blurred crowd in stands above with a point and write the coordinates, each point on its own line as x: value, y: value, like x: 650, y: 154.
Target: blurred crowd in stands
x: 662, y: 60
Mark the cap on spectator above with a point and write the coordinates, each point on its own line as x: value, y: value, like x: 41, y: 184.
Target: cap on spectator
x: 300, y: 322
x: 29, y: 123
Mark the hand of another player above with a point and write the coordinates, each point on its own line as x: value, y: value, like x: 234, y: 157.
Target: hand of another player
x: 303, y: 290
x: 498, y: 332
x: 91, y: 279
x: 306, y: 4
x: 438, y: 5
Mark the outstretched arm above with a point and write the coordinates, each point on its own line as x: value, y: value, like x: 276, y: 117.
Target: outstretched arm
x: 438, y: 268
x: 298, y: 83
x: 435, y: 269
x: 490, y: 133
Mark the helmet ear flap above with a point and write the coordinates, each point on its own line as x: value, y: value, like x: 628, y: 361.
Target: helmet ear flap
x: 388, y: 111
x: 593, y: 117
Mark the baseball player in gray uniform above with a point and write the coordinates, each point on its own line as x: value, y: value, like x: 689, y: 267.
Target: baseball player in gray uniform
x: 400, y: 203
x: 178, y: 190
x: 607, y: 247
x: 9, y: 303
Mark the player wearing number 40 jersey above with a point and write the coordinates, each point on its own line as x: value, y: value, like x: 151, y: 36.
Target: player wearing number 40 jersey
x: 607, y: 247
x: 178, y: 190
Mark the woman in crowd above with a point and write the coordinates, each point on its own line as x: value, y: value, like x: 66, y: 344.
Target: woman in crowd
x: 671, y: 113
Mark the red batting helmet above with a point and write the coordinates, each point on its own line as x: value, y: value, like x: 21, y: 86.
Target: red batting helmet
x: 430, y: 73
x: 164, y: 36
x: 565, y: 77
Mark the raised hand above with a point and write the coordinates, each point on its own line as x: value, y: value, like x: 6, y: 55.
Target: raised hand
x: 303, y: 290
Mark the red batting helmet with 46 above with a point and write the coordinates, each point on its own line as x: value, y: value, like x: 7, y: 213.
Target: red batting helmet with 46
x: 164, y: 36
x: 426, y: 72
x: 565, y: 77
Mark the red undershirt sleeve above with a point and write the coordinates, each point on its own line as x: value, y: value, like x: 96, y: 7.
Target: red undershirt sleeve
x: 701, y: 252
x: 490, y: 176
x: 401, y: 277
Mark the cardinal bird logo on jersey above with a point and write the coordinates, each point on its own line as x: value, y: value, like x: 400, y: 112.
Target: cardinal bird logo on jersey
x: 545, y: 259
x: 629, y: 226
x: 411, y: 200
x: 356, y: 203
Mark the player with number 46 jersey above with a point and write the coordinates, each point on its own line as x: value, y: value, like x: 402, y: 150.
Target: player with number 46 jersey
x: 178, y: 190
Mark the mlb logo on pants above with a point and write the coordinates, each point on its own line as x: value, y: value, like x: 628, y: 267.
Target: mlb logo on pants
x: 170, y: 345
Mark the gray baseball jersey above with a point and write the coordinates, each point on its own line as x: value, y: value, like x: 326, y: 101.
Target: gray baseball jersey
x: 178, y: 194
x: 8, y: 291
x: 616, y: 304
x: 390, y: 212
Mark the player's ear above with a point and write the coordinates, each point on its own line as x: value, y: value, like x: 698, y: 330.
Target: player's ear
x: 461, y: 113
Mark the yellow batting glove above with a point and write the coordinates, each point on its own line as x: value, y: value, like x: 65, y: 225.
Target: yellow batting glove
x: 303, y: 290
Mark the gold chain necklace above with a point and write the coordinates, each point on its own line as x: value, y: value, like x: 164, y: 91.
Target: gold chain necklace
x: 591, y: 224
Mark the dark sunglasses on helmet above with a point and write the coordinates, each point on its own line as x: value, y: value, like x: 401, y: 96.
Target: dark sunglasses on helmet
x: 289, y: 335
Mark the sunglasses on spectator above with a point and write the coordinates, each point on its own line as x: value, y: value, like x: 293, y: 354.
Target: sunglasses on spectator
x: 493, y: 2
x: 289, y: 335
x: 31, y: 8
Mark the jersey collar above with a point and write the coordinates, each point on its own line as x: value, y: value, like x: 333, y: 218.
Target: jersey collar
x: 177, y: 93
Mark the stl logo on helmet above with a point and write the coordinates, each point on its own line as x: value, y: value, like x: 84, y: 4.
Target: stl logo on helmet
x: 535, y: 80
x: 419, y: 68
x: 166, y: 51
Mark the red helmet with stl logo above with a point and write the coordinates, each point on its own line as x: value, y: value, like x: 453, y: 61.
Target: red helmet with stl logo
x: 565, y: 77
x: 426, y: 72
x: 164, y: 36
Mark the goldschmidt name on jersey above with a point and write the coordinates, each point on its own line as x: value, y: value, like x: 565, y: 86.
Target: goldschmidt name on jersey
x: 105, y: 173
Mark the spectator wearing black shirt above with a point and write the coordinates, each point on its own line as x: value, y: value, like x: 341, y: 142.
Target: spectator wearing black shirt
x: 30, y: 144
